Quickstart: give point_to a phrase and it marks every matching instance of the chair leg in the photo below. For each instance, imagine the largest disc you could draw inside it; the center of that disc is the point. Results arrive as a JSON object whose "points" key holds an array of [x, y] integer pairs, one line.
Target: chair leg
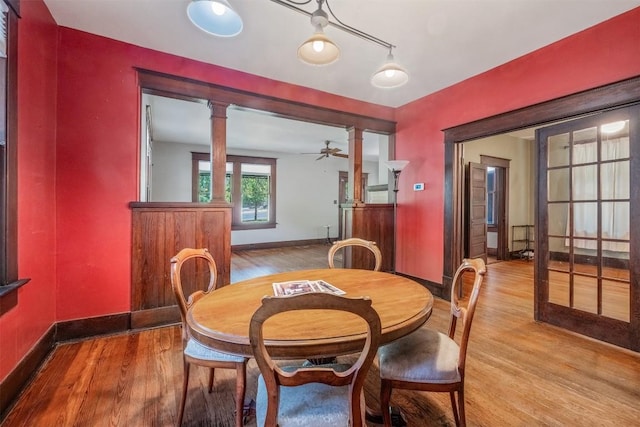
{"points": [[463, 421], [241, 383], [385, 401], [454, 406], [185, 387], [211, 375]]}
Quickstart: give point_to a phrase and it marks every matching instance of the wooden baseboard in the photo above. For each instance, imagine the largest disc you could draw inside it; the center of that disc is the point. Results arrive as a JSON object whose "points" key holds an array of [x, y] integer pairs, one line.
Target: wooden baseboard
{"points": [[92, 326], [270, 245], [20, 376], [435, 288], [153, 317], [24, 371]]}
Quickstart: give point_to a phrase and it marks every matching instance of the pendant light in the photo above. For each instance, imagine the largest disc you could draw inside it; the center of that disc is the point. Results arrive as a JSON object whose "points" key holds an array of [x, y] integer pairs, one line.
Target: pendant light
{"points": [[215, 17], [319, 49], [390, 74]]}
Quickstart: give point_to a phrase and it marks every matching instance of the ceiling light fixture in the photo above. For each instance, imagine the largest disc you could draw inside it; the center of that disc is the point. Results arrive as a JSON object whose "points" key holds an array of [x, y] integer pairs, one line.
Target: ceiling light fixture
{"points": [[320, 50], [613, 127], [390, 75], [215, 17]]}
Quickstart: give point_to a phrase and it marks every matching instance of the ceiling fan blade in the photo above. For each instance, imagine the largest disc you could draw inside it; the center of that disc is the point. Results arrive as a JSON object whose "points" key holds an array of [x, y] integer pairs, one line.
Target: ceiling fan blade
{"points": [[322, 157], [344, 156]]}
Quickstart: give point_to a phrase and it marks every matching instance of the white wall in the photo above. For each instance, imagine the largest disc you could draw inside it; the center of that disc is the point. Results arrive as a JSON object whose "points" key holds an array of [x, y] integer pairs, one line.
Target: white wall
{"points": [[521, 173], [171, 172], [306, 190]]}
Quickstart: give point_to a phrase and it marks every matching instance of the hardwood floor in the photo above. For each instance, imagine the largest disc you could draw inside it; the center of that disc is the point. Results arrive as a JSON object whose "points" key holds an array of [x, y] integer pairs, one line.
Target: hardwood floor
{"points": [[519, 372]]}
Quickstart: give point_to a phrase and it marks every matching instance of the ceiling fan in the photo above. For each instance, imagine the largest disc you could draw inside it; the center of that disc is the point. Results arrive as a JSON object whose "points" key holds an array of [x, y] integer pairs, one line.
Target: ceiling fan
{"points": [[327, 151]]}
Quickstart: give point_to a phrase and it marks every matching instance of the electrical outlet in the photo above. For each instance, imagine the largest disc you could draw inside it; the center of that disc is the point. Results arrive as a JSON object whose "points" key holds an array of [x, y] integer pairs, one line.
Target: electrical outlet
{"points": [[418, 186]]}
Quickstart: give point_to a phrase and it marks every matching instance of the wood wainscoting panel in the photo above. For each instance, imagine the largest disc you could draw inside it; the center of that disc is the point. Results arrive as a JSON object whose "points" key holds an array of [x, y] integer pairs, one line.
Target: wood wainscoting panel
{"points": [[161, 230], [372, 222]]}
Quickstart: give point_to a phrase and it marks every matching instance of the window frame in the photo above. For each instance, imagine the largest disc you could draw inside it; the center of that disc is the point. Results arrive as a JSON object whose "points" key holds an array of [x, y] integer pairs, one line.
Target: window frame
{"points": [[9, 280], [236, 187], [491, 196]]}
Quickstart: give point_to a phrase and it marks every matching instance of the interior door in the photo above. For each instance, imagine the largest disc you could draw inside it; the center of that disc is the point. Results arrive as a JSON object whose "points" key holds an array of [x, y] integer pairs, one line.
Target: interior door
{"points": [[477, 211], [587, 268]]}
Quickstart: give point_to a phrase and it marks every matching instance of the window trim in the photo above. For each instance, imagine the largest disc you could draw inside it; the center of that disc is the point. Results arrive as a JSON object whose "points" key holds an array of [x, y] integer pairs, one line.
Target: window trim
{"points": [[9, 280], [236, 199]]}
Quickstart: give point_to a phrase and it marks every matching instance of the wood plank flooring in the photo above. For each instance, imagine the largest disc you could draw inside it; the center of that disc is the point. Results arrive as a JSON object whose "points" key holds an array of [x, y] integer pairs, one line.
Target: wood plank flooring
{"points": [[519, 372]]}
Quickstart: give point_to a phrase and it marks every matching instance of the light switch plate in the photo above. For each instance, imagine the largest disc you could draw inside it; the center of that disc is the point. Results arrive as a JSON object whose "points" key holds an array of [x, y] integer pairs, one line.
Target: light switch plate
{"points": [[418, 186]]}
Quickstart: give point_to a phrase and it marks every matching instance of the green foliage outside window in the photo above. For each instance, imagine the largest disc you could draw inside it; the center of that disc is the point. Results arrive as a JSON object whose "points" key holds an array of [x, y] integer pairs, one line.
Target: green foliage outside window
{"points": [[255, 194], [204, 188], [227, 188]]}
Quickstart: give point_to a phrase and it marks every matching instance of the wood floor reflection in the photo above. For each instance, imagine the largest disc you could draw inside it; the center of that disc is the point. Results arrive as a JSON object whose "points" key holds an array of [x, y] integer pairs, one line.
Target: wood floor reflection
{"points": [[519, 372]]}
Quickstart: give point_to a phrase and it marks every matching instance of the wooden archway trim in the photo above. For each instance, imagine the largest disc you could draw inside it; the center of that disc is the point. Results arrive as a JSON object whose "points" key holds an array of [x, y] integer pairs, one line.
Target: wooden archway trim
{"points": [[590, 101]]}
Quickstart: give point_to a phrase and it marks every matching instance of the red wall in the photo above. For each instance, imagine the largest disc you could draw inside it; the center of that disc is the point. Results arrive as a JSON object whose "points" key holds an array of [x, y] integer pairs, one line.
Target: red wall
{"points": [[79, 138], [23, 325], [79, 169], [603, 54], [97, 160]]}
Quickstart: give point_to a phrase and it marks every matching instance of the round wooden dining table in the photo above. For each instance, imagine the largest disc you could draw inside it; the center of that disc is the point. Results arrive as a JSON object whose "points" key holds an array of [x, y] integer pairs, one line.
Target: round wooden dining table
{"points": [[221, 319]]}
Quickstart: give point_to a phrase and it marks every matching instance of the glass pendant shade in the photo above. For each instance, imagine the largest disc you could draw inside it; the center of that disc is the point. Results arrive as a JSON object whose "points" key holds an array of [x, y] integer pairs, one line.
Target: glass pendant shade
{"points": [[215, 17], [318, 50], [390, 75]]}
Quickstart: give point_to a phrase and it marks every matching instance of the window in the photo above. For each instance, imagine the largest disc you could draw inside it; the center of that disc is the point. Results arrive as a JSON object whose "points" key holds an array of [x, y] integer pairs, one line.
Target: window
{"points": [[8, 146], [250, 187], [491, 195]]}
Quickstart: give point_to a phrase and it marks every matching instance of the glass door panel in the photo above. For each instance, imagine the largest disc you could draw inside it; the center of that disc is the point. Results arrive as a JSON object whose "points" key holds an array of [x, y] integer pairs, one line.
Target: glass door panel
{"points": [[586, 279]]}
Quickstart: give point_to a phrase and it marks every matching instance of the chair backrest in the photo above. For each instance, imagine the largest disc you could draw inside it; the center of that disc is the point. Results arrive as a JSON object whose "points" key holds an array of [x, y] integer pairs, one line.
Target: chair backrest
{"points": [[355, 241], [465, 314], [354, 377], [177, 263]]}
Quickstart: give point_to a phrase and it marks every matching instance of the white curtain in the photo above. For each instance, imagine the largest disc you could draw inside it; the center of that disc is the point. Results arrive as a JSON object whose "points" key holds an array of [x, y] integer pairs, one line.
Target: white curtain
{"points": [[614, 184]]}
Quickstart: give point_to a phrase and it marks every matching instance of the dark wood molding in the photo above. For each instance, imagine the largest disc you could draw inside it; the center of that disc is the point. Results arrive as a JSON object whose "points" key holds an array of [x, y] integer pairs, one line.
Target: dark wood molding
{"points": [[159, 316], [15, 5], [24, 371], [178, 205], [615, 331], [502, 206], [9, 155], [271, 245], [169, 85], [435, 288], [599, 99], [603, 98], [92, 326]]}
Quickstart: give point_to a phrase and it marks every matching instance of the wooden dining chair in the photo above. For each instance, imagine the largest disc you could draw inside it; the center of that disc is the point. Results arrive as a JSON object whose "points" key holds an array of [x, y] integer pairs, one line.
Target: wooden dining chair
{"points": [[429, 360], [312, 395], [355, 241], [195, 352]]}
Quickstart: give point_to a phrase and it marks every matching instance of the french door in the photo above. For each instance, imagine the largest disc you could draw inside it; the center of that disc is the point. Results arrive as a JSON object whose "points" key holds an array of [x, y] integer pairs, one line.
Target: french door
{"points": [[588, 222]]}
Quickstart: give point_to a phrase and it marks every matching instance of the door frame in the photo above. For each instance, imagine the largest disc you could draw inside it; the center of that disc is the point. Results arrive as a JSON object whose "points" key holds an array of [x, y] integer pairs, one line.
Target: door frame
{"points": [[502, 205], [585, 322], [590, 101]]}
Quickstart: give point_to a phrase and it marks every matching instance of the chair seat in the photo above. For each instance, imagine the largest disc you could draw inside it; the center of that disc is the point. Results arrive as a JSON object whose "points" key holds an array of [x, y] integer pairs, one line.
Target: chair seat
{"points": [[199, 351], [424, 356], [312, 404]]}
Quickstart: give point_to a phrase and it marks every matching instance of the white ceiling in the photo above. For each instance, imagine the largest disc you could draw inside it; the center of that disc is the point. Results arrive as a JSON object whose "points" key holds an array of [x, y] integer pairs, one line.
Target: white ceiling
{"points": [[439, 42]]}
